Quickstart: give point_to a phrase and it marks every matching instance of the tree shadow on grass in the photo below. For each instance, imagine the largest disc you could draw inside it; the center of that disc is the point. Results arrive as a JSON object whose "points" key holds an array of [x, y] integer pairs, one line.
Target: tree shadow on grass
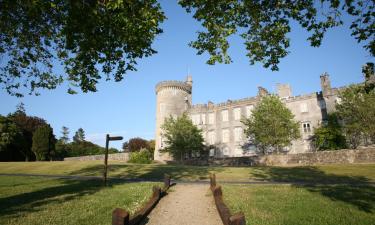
{"points": [[151, 171], [32, 201], [355, 190]]}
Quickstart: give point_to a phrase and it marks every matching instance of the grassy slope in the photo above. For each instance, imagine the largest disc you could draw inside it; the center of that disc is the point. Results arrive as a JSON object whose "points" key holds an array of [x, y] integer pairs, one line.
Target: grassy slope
{"points": [[30, 200], [348, 172], [318, 205]]}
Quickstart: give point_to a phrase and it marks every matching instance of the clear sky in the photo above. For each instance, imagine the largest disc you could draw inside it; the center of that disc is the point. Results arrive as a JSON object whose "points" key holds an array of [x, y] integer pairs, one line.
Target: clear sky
{"points": [[127, 108]]}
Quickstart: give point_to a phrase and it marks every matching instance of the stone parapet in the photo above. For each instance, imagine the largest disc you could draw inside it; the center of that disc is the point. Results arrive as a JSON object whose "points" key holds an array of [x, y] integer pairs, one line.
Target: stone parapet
{"points": [[173, 84]]}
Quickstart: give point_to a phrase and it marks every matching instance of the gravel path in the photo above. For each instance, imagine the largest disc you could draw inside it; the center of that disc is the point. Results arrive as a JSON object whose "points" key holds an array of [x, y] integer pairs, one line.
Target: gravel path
{"points": [[185, 204]]}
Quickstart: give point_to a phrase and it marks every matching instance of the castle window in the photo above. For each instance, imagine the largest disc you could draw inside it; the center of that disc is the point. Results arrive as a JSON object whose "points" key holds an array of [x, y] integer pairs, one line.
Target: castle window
{"points": [[237, 113], [303, 107], [224, 115], [211, 137], [225, 136], [238, 134], [162, 109], [203, 119], [338, 100], [211, 118], [249, 110], [306, 127], [226, 151], [161, 142], [196, 119]]}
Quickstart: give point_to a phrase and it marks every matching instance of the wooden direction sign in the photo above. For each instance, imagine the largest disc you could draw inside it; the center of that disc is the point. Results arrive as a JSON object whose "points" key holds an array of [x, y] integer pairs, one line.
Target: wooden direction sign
{"points": [[107, 139]]}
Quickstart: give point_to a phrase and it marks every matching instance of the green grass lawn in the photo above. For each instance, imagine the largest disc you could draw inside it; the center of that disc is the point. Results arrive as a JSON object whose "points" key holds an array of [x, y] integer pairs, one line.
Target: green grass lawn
{"points": [[293, 204], [31, 200], [321, 173]]}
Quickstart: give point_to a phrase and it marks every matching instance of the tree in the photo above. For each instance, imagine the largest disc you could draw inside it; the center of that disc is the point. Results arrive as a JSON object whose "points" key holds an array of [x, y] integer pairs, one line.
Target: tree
{"points": [[28, 125], [151, 145], [79, 136], [265, 25], [86, 38], [271, 126], [96, 39], [136, 144], [65, 135], [12, 141], [43, 143], [9, 132], [125, 146], [181, 136], [357, 111], [329, 135]]}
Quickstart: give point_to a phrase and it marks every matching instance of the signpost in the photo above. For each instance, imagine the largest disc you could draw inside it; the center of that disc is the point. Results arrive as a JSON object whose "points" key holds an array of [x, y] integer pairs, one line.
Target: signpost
{"points": [[107, 139]]}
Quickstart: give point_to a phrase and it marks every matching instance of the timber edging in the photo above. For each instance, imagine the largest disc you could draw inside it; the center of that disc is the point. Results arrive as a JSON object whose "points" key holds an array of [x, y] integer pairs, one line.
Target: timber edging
{"points": [[226, 217], [122, 217]]}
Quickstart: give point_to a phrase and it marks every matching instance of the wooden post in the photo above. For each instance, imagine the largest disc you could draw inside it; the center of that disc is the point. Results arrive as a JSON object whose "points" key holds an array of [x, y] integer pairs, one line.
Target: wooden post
{"points": [[120, 217], [106, 159], [107, 139], [237, 219], [167, 181], [212, 181]]}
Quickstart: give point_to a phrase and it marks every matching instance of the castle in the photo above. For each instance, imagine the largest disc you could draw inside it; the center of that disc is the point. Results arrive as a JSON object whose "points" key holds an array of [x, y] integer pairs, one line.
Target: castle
{"points": [[221, 123]]}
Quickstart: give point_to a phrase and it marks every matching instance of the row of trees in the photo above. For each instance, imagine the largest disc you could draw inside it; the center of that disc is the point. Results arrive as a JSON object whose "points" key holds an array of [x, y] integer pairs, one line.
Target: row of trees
{"points": [[272, 127], [24, 137], [29, 138]]}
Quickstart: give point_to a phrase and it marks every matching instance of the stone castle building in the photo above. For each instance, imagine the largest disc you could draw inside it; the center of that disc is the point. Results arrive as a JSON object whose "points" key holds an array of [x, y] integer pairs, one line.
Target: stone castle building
{"points": [[221, 123]]}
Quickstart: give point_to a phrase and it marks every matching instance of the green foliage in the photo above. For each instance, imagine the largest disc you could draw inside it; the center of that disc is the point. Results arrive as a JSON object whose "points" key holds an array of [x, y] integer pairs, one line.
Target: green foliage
{"points": [[43, 143], [79, 136], [265, 25], [65, 135], [144, 156], [330, 135], [136, 144], [271, 126], [357, 111], [87, 39], [151, 145], [10, 133], [181, 137], [28, 125]]}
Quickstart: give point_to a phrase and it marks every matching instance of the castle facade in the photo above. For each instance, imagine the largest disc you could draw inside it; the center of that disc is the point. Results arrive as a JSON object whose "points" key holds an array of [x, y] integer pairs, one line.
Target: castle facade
{"points": [[221, 123]]}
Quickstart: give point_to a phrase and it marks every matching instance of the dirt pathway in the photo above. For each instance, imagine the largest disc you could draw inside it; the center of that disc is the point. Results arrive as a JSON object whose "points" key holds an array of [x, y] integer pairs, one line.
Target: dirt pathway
{"points": [[185, 204]]}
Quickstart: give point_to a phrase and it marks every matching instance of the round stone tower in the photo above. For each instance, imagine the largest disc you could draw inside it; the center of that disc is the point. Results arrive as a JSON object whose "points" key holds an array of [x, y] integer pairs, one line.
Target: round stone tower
{"points": [[173, 98]]}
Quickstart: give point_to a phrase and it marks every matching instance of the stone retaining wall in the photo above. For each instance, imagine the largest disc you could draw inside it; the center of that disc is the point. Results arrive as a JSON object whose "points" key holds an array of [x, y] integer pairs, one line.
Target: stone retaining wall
{"points": [[115, 157], [321, 157], [312, 158]]}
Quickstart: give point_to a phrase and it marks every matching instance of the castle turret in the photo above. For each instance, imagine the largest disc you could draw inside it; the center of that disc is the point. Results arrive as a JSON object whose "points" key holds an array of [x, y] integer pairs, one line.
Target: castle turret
{"points": [[173, 98]]}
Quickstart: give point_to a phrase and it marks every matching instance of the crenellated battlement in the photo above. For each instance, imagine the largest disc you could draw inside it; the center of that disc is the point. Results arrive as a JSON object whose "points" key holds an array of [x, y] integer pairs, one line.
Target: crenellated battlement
{"points": [[173, 84]]}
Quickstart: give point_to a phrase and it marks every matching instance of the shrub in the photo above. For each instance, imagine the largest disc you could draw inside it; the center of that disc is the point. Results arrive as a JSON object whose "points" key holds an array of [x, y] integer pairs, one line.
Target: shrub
{"points": [[144, 156]]}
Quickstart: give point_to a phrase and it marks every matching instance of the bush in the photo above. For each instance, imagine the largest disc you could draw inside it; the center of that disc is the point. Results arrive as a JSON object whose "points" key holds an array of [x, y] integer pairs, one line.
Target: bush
{"points": [[144, 156]]}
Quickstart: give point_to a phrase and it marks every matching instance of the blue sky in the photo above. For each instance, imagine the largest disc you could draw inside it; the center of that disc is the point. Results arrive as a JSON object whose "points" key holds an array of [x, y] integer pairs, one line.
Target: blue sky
{"points": [[127, 108]]}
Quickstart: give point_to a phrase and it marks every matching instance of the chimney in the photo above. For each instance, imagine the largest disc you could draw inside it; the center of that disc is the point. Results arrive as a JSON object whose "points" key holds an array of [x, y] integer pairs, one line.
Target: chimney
{"points": [[325, 84], [284, 91]]}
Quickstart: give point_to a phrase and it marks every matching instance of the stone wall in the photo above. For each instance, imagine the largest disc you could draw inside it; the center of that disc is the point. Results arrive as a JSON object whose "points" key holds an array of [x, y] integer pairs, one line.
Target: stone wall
{"points": [[322, 157], [312, 158], [115, 157]]}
